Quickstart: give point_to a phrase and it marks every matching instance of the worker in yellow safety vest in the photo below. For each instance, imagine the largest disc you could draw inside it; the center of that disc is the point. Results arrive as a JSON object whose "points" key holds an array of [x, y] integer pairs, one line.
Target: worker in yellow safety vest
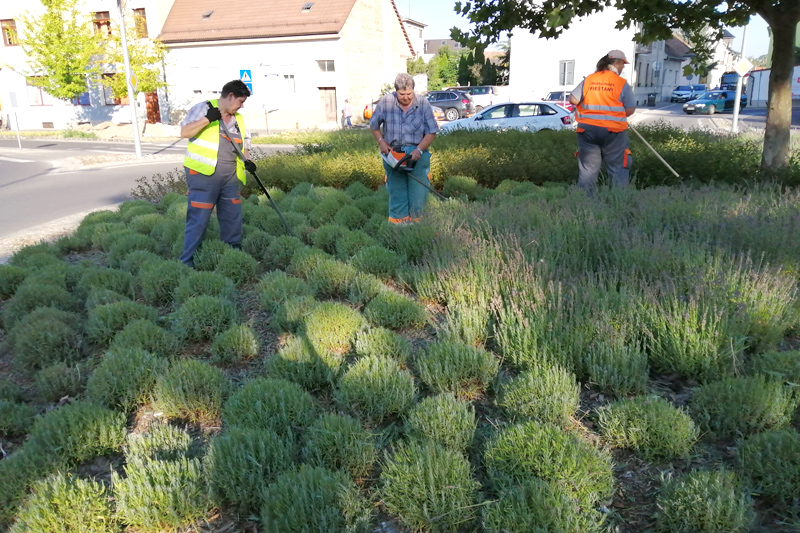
{"points": [[214, 173], [604, 102]]}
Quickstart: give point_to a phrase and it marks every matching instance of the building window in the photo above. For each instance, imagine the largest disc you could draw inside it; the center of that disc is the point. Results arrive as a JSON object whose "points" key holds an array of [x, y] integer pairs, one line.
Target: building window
{"points": [[36, 95], [566, 72], [326, 65], [140, 19], [102, 23], [289, 83], [9, 32], [420, 34], [81, 99]]}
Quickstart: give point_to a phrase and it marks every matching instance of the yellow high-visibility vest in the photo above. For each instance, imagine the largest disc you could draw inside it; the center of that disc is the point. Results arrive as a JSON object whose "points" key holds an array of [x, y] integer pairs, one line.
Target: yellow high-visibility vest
{"points": [[201, 153]]}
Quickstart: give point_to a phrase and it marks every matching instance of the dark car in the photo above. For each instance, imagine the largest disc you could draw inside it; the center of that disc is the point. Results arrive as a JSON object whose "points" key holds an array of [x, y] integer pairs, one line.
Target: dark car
{"points": [[713, 102], [455, 104], [561, 98]]}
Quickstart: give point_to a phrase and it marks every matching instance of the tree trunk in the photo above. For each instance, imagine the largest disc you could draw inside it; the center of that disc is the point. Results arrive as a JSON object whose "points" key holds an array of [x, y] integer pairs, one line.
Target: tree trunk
{"points": [[776, 152]]}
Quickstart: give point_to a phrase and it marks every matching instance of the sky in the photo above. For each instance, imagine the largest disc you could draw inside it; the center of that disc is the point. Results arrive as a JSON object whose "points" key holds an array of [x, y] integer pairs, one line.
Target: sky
{"points": [[440, 17]]}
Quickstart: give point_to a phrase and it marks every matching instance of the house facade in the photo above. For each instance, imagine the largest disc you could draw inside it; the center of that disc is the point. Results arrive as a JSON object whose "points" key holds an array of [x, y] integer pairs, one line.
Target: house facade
{"points": [[301, 59], [30, 107], [414, 31]]}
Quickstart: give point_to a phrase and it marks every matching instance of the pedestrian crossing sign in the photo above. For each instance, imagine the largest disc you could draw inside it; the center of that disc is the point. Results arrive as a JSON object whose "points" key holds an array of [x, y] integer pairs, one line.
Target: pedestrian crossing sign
{"points": [[247, 77]]}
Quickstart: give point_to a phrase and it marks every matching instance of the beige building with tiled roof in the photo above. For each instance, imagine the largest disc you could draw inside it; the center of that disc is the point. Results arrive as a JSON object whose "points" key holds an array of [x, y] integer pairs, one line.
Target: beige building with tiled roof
{"points": [[302, 58]]}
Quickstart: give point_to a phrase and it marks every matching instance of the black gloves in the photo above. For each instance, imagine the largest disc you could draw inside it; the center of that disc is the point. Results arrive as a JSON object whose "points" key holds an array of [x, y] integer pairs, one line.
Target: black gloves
{"points": [[250, 166], [213, 113]]}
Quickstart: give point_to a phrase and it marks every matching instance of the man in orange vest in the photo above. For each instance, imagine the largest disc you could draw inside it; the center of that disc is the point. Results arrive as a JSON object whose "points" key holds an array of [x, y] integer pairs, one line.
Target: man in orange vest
{"points": [[604, 102]]}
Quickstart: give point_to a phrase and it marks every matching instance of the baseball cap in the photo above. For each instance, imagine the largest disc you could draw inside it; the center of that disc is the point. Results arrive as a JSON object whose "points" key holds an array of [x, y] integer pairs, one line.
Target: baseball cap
{"points": [[618, 54]]}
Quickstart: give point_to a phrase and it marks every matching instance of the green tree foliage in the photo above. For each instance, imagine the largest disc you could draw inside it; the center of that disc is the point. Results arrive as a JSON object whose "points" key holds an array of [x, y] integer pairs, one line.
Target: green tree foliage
{"points": [[702, 20], [61, 48], [443, 69], [145, 56]]}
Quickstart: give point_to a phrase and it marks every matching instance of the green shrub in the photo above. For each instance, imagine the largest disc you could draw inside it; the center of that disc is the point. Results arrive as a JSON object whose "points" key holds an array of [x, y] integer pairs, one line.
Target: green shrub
{"points": [[377, 260], [340, 442], [302, 362], [162, 495], [238, 266], [444, 420], [358, 190], [280, 252], [134, 261], [44, 337], [536, 506], [455, 367], [59, 380], [134, 208], [330, 278], [429, 487], [158, 280], [11, 277], [617, 367], [313, 499], [242, 462], [333, 326], [29, 297], [411, 241], [742, 406], [128, 243], [144, 224], [167, 232], [649, 425], [291, 314], [305, 260], [207, 257], [54, 274], [76, 432], [103, 296], [204, 317], [274, 404], [276, 287], [145, 335], [235, 344], [177, 210], [535, 450], [161, 442], [771, 462], [364, 288], [704, 502], [324, 211], [105, 321], [382, 342], [18, 471], [125, 379], [203, 284], [64, 504], [395, 311], [15, 418], [546, 393], [352, 242], [9, 390], [350, 217], [192, 390], [462, 186], [301, 204], [29, 255], [376, 388], [326, 236], [257, 244], [784, 366]]}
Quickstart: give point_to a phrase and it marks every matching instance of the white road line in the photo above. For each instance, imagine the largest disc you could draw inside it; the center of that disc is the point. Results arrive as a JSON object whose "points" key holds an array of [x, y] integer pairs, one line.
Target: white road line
{"points": [[12, 160]]}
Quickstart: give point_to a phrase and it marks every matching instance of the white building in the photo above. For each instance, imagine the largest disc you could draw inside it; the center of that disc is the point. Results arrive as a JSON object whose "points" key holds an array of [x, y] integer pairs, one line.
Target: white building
{"points": [[303, 59], [757, 84], [414, 31], [33, 107]]}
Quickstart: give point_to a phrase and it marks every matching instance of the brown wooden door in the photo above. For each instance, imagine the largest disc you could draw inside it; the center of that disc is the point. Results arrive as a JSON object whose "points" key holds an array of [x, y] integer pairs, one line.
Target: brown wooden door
{"points": [[153, 110], [327, 97]]}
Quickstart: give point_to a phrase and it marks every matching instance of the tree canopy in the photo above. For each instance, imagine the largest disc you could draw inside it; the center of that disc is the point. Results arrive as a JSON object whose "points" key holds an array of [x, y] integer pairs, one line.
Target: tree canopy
{"points": [[702, 20]]}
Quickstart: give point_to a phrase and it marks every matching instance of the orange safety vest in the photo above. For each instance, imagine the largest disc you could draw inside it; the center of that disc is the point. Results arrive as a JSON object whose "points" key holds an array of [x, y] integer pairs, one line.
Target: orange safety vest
{"points": [[601, 105]]}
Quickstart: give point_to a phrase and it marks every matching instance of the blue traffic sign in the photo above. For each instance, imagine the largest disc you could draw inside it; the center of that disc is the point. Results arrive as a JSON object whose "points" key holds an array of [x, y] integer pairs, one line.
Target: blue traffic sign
{"points": [[247, 77]]}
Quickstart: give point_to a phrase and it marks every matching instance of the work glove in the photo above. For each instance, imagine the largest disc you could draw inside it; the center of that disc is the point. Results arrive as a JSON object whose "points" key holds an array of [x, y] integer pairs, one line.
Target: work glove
{"points": [[213, 113], [250, 166]]}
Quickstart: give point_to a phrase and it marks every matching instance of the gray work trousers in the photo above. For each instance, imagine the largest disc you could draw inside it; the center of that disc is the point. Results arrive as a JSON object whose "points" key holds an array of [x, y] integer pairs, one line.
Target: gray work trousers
{"points": [[221, 189], [596, 146]]}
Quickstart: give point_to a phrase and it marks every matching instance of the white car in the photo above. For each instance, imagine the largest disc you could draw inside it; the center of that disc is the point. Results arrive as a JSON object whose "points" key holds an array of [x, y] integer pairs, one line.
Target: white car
{"points": [[523, 116]]}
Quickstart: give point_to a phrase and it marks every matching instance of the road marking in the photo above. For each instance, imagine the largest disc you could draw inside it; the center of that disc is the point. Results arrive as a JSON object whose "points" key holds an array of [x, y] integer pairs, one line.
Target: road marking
{"points": [[12, 160]]}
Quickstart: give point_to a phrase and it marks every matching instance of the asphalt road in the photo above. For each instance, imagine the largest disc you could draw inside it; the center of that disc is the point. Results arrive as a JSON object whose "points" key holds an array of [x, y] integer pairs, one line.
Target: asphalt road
{"points": [[749, 118], [35, 188]]}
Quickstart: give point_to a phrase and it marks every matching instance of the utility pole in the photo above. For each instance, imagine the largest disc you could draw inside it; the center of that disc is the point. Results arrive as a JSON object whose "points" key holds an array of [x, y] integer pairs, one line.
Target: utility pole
{"points": [[740, 81], [128, 75]]}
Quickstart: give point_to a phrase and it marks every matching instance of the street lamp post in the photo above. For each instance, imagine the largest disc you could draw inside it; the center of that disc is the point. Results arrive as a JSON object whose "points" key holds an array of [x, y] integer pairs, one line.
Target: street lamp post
{"points": [[739, 82], [128, 82]]}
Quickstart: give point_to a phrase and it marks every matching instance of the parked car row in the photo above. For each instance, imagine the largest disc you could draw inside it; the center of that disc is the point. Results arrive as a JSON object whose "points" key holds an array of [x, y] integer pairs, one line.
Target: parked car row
{"points": [[455, 104]]}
